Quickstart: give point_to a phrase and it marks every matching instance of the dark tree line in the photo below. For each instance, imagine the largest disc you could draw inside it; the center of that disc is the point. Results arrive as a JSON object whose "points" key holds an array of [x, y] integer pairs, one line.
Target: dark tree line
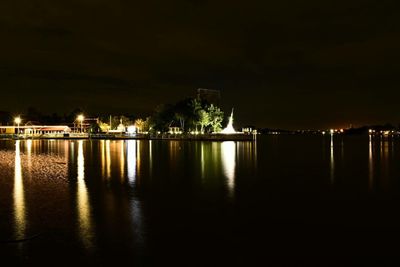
{"points": [[190, 114]]}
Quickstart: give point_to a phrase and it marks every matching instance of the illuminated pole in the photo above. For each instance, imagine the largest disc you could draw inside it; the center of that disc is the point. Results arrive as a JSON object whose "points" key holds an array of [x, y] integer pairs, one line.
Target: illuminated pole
{"points": [[17, 120], [110, 123], [81, 118]]}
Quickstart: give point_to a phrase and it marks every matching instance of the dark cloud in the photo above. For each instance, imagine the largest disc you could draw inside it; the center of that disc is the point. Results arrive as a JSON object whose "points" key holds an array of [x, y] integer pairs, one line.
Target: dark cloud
{"points": [[293, 64]]}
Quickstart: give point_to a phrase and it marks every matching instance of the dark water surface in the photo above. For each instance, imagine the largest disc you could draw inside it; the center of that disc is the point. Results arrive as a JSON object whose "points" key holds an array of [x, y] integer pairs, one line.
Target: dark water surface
{"points": [[284, 200]]}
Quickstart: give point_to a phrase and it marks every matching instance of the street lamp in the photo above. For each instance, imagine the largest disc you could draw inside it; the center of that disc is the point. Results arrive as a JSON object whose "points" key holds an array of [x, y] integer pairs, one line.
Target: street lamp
{"points": [[81, 118], [17, 121]]}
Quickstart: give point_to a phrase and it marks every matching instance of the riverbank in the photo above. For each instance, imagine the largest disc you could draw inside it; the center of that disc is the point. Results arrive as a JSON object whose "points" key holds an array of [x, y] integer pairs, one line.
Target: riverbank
{"points": [[166, 136]]}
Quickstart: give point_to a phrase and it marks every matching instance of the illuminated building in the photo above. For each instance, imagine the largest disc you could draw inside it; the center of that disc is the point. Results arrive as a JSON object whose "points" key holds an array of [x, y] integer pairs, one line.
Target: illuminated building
{"points": [[36, 130]]}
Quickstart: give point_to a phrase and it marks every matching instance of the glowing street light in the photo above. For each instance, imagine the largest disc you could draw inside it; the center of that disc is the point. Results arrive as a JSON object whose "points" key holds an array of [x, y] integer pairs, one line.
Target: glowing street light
{"points": [[17, 121], [81, 118]]}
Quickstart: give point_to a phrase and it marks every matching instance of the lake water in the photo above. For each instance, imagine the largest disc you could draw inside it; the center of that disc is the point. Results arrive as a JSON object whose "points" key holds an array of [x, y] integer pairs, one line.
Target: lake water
{"points": [[283, 200]]}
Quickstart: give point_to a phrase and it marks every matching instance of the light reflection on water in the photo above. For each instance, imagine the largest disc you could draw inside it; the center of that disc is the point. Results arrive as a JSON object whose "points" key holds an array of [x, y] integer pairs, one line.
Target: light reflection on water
{"points": [[123, 161], [228, 153], [370, 164], [83, 203], [108, 159], [222, 160], [19, 195], [102, 157], [332, 161], [131, 150], [123, 194]]}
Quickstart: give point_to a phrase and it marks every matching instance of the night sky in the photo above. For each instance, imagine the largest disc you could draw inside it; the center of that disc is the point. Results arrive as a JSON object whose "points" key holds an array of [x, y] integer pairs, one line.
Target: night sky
{"points": [[289, 64]]}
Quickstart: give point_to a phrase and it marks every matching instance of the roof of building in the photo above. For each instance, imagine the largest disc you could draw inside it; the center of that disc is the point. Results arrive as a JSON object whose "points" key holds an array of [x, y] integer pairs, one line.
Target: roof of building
{"points": [[40, 127], [55, 128]]}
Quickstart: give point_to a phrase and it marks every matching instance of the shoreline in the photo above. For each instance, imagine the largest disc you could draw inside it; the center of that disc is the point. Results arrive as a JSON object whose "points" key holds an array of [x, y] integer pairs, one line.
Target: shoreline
{"points": [[173, 137]]}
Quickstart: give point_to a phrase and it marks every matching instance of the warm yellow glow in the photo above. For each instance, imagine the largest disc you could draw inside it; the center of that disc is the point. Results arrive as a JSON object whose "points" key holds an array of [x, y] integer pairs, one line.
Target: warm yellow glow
{"points": [[103, 158], [122, 159], [370, 164], [85, 226], [228, 151], [17, 120], [332, 162], [151, 157], [29, 154], [385, 154], [131, 147], [29, 147], [80, 118], [19, 196], [108, 158]]}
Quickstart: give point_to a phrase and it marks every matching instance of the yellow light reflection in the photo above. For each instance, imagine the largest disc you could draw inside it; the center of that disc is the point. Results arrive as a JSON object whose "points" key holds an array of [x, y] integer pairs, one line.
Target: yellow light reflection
{"points": [[19, 196], [103, 158], [151, 158], [29, 147], [29, 155], [370, 164], [85, 225], [385, 157], [138, 162], [131, 147], [229, 163], [203, 164], [108, 158], [332, 161], [122, 160]]}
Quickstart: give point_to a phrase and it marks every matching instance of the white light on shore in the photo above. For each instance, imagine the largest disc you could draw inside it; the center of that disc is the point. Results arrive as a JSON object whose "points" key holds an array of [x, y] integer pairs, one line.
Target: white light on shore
{"points": [[229, 128], [132, 129]]}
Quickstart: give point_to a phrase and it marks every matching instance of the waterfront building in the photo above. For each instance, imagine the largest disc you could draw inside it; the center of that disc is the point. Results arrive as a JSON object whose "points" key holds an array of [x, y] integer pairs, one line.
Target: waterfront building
{"points": [[36, 130]]}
